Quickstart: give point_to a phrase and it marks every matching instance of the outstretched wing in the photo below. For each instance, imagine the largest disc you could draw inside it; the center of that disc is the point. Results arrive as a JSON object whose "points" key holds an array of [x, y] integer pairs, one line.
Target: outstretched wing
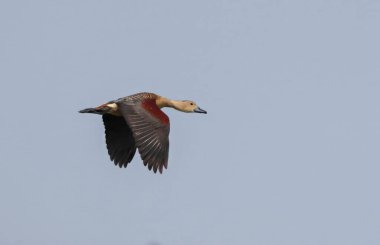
{"points": [[119, 138], [150, 127]]}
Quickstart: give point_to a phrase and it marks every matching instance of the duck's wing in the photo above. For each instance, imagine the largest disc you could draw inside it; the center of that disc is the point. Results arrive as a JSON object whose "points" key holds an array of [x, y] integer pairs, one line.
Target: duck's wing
{"points": [[150, 127], [119, 138]]}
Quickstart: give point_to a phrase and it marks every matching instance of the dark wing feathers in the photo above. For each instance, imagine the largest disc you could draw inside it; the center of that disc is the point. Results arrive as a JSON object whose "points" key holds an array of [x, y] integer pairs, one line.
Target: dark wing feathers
{"points": [[151, 134], [119, 138]]}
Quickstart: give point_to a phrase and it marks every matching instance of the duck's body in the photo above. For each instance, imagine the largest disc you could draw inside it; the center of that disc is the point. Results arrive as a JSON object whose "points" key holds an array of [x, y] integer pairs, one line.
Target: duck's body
{"points": [[137, 121]]}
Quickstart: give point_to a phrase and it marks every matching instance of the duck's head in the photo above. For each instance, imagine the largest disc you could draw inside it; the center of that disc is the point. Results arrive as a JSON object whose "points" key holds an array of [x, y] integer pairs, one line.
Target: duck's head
{"points": [[190, 106]]}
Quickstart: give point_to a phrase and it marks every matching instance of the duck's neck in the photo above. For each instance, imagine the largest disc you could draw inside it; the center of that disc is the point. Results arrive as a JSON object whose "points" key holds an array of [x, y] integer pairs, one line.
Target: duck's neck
{"points": [[165, 102]]}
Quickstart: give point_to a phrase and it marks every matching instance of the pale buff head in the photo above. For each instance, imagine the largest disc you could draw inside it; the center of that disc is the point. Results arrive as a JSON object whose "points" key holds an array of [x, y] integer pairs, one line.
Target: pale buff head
{"points": [[187, 106]]}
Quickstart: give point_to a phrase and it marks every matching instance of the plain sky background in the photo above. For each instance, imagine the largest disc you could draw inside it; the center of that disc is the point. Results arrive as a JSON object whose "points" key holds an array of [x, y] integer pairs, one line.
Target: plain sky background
{"points": [[288, 154]]}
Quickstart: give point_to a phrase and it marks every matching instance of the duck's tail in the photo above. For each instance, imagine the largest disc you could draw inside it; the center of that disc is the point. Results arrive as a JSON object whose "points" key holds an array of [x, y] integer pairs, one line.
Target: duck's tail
{"points": [[92, 110], [110, 107]]}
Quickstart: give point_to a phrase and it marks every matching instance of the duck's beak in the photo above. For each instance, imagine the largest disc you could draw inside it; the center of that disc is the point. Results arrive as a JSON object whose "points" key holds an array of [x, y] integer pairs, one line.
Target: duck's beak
{"points": [[199, 110]]}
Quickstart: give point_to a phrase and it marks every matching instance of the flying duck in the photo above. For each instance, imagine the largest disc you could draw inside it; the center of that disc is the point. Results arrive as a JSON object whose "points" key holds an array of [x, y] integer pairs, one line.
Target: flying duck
{"points": [[137, 121]]}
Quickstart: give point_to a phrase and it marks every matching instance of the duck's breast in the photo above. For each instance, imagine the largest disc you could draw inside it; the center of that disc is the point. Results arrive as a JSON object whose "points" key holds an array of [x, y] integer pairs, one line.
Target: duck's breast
{"points": [[150, 106]]}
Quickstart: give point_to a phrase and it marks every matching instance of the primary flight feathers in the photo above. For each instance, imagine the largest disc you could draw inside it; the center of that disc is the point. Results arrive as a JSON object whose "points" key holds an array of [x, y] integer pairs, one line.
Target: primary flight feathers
{"points": [[137, 121]]}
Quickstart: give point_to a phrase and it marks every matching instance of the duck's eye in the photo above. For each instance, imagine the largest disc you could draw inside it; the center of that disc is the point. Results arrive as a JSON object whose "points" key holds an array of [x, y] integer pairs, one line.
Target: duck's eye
{"points": [[191, 103]]}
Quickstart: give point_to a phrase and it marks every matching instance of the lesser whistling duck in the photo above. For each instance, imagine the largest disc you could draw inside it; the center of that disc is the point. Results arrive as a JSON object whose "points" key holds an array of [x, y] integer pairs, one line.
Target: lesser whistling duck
{"points": [[137, 121]]}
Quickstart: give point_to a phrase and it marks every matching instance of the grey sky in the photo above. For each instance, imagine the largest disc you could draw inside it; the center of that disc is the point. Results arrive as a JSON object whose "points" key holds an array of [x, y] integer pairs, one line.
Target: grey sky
{"points": [[288, 154]]}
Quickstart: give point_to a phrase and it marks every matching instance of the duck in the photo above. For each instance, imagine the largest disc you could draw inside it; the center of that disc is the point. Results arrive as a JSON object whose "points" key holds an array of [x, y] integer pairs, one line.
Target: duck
{"points": [[136, 122]]}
